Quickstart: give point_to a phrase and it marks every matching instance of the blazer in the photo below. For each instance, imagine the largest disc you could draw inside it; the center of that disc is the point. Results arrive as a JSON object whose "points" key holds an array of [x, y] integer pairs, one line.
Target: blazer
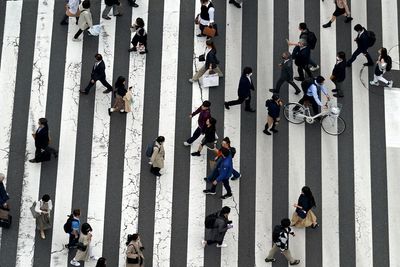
{"points": [[42, 138], [99, 72], [339, 71], [287, 70], [211, 59], [301, 55], [245, 85], [362, 41]]}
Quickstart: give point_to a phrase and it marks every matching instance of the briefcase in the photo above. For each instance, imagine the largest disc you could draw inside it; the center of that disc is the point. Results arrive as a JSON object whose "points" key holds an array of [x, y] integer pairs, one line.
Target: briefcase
{"points": [[5, 218], [210, 31]]}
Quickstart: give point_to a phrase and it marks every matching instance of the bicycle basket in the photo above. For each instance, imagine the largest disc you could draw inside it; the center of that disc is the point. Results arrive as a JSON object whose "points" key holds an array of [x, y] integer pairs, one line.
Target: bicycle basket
{"points": [[334, 109]]}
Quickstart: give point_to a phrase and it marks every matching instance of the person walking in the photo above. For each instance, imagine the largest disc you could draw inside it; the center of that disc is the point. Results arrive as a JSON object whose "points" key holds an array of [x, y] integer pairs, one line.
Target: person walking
{"points": [[134, 254], [206, 16], [158, 156], [204, 114], [140, 37], [3, 193], [286, 74], [339, 74], [383, 64], [220, 224], [210, 136], [42, 139], [211, 63], [363, 43], [98, 74], [101, 262], [303, 216], [235, 3], [341, 9], [274, 108], [72, 227], [71, 10], [43, 209], [119, 103], [280, 237], [313, 90], [224, 168], [115, 5], [83, 252], [301, 56], [244, 94], [85, 19]]}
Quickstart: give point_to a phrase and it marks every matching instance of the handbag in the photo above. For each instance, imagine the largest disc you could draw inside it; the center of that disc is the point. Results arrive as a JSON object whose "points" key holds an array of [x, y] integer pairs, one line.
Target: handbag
{"points": [[209, 80], [202, 58], [302, 214], [209, 31], [81, 246], [33, 211], [136, 260]]}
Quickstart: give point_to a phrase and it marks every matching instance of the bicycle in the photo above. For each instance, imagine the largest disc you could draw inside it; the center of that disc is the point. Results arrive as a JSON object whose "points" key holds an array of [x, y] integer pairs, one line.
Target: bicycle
{"points": [[331, 122]]}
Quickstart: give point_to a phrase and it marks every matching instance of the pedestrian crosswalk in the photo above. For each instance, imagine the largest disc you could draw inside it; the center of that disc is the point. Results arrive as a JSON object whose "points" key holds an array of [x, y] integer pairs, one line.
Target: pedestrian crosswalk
{"points": [[102, 169]]}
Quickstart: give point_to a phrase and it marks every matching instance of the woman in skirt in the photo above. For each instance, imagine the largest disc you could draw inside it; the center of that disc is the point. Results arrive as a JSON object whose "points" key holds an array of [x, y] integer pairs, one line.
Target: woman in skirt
{"points": [[43, 208], [119, 103], [303, 215]]}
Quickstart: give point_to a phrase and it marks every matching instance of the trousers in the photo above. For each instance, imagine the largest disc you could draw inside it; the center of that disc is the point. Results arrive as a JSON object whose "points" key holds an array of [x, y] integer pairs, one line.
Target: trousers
{"points": [[103, 82], [281, 81], [239, 101], [285, 253], [358, 52]]}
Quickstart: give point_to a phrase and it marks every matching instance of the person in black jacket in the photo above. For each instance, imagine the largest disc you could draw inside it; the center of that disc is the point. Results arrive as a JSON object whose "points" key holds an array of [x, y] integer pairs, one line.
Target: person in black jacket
{"points": [[98, 74], [286, 74], [42, 140], [362, 41], [211, 62], [301, 56], [210, 136], [244, 94], [274, 108], [140, 36], [339, 74], [114, 4], [3, 193]]}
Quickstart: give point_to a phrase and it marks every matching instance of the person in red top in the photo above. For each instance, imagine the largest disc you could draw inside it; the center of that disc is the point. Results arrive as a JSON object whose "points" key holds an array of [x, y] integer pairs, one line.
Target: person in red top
{"points": [[204, 115]]}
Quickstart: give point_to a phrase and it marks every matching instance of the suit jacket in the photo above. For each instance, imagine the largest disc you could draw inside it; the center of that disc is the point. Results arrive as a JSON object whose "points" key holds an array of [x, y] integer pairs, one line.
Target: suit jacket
{"points": [[211, 59], [245, 86], [301, 55], [42, 138], [339, 71], [287, 70], [362, 41], [99, 72]]}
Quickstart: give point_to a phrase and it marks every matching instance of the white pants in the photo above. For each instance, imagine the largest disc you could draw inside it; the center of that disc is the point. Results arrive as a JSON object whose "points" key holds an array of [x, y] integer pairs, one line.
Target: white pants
{"points": [[380, 78]]}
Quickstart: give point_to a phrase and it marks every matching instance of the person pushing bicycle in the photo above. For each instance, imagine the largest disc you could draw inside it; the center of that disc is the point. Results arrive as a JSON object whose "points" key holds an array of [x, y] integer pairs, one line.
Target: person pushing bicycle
{"points": [[311, 87]]}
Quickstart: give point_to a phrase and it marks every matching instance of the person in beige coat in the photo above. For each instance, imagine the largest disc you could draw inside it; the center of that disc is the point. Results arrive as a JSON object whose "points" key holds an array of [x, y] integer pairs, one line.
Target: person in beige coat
{"points": [[82, 253], [158, 156], [85, 19], [134, 254]]}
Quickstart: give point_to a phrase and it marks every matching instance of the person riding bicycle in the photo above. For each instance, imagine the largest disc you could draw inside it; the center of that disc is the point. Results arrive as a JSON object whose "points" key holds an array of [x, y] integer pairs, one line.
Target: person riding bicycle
{"points": [[311, 93]]}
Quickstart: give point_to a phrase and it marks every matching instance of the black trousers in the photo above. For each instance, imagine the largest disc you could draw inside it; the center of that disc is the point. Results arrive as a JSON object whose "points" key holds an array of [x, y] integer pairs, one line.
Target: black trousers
{"points": [[195, 135], [239, 101], [155, 170], [139, 39], [103, 82], [226, 185], [281, 81], [311, 100], [301, 69], [210, 242], [355, 55], [79, 32]]}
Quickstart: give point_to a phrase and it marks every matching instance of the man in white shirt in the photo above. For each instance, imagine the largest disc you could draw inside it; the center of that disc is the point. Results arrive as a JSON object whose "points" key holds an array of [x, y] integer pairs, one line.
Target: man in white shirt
{"points": [[311, 94]]}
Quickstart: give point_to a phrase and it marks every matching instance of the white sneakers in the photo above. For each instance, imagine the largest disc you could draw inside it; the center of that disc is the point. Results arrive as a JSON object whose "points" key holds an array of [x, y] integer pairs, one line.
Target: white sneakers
{"points": [[203, 243], [223, 245], [186, 143], [314, 68], [75, 262], [374, 83], [389, 84]]}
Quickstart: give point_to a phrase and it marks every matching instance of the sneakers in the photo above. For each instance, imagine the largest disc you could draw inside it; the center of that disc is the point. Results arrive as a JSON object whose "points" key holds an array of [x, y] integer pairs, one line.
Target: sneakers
{"points": [[295, 262], [226, 196], [75, 262], [374, 83], [195, 154], [203, 243], [390, 84], [191, 80], [223, 245], [312, 68], [270, 260], [209, 192], [186, 143]]}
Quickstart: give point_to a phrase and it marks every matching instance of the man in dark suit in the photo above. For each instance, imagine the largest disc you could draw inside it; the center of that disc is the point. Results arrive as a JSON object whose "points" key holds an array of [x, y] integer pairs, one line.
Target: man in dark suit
{"points": [[339, 74], [244, 94], [286, 74], [42, 140], [362, 41], [98, 74], [301, 56]]}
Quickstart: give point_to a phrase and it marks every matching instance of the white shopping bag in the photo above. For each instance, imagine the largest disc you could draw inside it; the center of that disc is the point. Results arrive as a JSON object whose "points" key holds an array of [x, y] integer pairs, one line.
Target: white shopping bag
{"points": [[95, 30], [209, 80]]}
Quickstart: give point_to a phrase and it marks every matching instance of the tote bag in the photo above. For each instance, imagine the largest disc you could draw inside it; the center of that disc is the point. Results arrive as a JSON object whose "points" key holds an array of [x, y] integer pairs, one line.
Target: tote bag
{"points": [[209, 80]]}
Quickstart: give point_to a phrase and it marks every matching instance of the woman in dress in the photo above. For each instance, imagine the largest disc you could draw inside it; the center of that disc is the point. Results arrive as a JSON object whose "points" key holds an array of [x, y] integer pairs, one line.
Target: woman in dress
{"points": [[210, 136], [134, 254], [303, 215], [82, 253], [119, 103], [43, 208]]}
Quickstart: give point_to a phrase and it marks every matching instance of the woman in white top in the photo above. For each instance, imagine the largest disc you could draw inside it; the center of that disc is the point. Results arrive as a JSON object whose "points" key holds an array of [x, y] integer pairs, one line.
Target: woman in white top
{"points": [[85, 19], [381, 67], [43, 208], [206, 16]]}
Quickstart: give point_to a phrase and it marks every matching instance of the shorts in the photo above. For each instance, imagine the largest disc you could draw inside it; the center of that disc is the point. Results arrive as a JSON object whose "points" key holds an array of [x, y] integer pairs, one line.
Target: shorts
{"points": [[339, 11]]}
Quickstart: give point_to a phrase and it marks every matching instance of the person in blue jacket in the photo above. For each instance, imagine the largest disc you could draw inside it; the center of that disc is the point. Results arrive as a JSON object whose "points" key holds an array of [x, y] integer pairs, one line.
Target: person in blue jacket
{"points": [[225, 168], [244, 93]]}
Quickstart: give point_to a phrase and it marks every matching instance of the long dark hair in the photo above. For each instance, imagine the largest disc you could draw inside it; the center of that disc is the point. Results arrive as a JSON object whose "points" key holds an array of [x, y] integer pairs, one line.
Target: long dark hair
{"points": [[86, 228], [307, 192], [120, 82], [384, 54]]}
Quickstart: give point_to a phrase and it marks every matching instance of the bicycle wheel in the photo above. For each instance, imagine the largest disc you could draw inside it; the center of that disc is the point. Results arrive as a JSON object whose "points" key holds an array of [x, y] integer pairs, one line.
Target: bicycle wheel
{"points": [[333, 125], [294, 113]]}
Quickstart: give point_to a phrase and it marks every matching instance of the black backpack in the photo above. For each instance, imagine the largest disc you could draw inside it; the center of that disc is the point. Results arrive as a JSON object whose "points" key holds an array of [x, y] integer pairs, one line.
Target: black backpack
{"points": [[371, 38], [68, 224], [210, 220], [388, 63], [276, 233], [306, 84], [311, 40], [149, 149]]}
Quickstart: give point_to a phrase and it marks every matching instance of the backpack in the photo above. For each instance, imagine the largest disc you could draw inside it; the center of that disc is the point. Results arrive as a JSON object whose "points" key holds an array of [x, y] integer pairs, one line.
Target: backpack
{"points": [[68, 224], [149, 149], [210, 220], [388, 63], [306, 84], [311, 40], [371, 38], [276, 233]]}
